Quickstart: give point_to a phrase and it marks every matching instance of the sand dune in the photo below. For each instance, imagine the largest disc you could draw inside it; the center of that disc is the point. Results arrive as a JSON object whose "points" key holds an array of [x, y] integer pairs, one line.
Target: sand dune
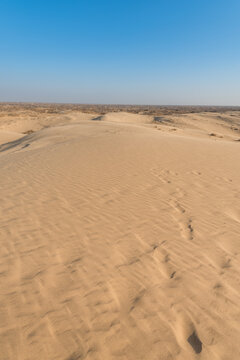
{"points": [[125, 117], [120, 237]]}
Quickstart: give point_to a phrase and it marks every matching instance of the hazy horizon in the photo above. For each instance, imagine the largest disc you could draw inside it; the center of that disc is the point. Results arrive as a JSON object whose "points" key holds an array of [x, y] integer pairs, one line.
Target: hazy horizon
{"points": [[117, 104]]}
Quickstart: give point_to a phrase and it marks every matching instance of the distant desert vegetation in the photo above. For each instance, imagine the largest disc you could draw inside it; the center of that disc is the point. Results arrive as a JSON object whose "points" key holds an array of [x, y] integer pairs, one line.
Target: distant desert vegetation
{"points": [[30, 117]]}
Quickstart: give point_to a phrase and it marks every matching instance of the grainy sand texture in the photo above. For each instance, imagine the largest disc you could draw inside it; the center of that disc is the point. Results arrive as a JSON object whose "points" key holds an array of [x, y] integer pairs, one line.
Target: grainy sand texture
{"points": [[119, 236]]}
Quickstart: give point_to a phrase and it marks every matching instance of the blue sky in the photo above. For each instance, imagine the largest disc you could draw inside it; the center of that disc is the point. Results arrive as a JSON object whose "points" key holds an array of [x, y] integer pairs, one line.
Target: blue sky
{"points": [[125, 52]]}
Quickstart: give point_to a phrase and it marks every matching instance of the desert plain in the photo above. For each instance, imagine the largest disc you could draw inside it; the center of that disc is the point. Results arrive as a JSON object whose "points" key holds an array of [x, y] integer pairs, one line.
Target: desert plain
{"points": [[119, 233]]}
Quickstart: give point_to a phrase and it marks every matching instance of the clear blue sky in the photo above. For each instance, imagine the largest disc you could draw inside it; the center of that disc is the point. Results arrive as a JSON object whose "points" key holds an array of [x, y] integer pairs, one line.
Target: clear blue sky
{"points": [[141, 52]]}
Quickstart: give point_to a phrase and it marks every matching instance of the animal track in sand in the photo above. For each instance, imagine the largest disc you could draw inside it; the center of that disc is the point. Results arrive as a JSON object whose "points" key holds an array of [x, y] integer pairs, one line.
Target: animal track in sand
{"points": [[186, 229], [178, 207], [186, 333], [173, 274], [226, 264], [195, 342], [190, 228], [165, 176], [131, 262], [137, 299], [75, 356], [78, 355], [196, 172], [164, 264]]}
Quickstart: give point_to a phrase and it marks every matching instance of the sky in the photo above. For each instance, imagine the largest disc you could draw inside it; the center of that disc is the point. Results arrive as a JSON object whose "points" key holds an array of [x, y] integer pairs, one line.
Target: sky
{"points": [[162, 52]]}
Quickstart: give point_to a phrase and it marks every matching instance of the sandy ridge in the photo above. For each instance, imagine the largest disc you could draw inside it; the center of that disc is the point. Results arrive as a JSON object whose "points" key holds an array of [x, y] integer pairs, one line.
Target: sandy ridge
{"points": [[120, 238]]}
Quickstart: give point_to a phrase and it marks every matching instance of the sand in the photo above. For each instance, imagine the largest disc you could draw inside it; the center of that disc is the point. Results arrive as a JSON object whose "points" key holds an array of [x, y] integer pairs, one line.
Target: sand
{"points": [[120, 237]]}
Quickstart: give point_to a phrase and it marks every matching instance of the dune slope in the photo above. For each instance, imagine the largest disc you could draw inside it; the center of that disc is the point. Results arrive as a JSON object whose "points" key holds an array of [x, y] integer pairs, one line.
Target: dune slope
{"points": [[119, 241]]}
